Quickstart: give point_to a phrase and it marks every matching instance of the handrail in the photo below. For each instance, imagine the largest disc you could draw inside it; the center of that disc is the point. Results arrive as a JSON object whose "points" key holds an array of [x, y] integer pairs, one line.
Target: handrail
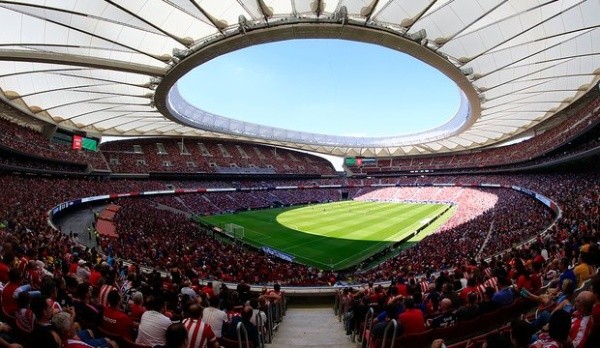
{"points": [[260, 327], [368, 323], [393, 323], [241, 328]]}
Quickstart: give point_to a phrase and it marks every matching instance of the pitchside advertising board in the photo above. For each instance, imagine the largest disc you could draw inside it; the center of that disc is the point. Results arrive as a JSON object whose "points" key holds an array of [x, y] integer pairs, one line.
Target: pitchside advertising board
{"points": [[360, 161]]}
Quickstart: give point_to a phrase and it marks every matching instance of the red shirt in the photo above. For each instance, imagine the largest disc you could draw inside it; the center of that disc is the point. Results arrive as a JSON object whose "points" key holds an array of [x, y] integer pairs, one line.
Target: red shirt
{"points": [[412, 320], [94, 277], [9, 302], [596, 316], [137, 311], [117, 322], [4, 272]]}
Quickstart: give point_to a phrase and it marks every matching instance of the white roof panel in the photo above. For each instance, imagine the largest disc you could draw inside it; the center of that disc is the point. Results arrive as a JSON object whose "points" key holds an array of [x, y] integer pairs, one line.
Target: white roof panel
{"points": [[94, 65]]}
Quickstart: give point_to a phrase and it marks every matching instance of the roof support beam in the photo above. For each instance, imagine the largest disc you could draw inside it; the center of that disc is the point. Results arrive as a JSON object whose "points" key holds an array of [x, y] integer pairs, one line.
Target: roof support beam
{"points": [[75, 60]]}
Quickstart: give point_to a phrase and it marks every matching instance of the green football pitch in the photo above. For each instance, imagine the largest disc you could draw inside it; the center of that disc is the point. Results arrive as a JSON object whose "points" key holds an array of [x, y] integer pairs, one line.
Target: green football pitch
{"points": [[332, 235]]}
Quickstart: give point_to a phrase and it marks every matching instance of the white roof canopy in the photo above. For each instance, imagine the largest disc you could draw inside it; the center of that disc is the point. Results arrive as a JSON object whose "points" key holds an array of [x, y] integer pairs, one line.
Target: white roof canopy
{"points": [[95, 65]]}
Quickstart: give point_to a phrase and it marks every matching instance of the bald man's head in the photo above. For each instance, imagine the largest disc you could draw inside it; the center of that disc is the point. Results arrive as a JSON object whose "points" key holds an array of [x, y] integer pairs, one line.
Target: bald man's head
{"points": [[584, 302]]}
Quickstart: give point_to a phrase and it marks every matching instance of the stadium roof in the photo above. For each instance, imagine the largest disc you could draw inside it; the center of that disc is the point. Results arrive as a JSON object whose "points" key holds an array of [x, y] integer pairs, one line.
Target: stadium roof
{"points": [[110, 67]]}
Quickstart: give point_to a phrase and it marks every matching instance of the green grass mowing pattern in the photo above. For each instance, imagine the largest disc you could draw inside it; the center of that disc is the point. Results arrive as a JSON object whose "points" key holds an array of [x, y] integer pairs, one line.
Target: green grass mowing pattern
{"points": [[337, 235]]}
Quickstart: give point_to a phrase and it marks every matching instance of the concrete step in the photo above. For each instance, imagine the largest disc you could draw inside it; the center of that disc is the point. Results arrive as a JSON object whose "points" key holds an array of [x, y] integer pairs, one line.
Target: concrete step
{"points": [[311, 327]]}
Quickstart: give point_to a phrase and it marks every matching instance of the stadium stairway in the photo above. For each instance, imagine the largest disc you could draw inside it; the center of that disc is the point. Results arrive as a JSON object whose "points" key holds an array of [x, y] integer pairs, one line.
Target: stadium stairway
{"points": [[310, 327]]}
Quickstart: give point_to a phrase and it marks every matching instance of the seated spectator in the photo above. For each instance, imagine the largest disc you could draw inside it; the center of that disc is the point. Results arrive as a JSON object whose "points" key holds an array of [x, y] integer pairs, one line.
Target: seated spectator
{"points": [[88, 315], [176, 336], [446, 317], [583, 271], [558, 332], [114, 320], [43, 333], [520, 333], [10, 292], [469, 310], [382, 321], [65, 327], [251, 329], [504, 296], [581, 322], [214, 317], [566, 272], [137, 307], [200, 334], [24, 318], [153, 324]]}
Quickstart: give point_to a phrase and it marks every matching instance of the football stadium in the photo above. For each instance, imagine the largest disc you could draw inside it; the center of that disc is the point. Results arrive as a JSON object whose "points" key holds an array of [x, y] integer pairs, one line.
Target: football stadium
{"points": [[168, 180]]}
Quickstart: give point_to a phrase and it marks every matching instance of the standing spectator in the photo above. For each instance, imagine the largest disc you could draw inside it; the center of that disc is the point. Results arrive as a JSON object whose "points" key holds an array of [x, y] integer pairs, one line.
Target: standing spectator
{"points": [[412, 318]]}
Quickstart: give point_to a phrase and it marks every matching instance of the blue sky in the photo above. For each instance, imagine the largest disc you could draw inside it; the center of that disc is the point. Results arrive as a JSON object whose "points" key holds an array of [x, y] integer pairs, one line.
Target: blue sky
{"points": [[324, 86]]}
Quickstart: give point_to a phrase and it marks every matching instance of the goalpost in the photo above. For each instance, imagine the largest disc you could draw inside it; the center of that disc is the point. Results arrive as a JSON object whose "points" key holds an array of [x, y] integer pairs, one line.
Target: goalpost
{"points": [[234, 231]]}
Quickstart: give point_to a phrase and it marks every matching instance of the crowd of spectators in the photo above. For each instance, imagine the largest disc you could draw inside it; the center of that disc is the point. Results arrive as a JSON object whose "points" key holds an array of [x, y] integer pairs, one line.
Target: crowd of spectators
{"points": [[581, 119], [33, 143], [197, 254], [209, 156]]}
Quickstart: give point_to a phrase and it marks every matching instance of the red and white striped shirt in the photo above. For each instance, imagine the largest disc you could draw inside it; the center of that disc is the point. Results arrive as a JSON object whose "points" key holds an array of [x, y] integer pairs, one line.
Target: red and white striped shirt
{"points": [[581, 327], [198, 333], [103, 295]]}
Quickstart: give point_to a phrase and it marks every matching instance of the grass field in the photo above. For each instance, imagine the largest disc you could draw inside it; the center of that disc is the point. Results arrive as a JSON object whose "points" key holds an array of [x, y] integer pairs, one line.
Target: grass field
{"points": [[332, 235]]}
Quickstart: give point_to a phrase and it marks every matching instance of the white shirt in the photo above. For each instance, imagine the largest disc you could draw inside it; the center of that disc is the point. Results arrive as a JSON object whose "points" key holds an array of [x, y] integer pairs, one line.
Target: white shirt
{"points": [[153, 326], [215, 318]]}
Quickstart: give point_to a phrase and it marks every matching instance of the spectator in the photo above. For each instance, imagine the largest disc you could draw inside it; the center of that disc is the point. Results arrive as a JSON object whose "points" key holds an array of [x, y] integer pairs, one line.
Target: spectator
{"points": [[154, 323], [43, 334], [200, 334], [446, 317], [244, 319], [214, 317], [469, 310], [115, 320], [137, 307], [412, 319], [581, 324], [88, 315], [176, 336], [558, 332], [504, 296]]}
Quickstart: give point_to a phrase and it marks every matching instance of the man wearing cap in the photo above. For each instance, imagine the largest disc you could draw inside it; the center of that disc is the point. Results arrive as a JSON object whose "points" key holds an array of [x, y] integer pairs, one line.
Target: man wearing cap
{"points": [[83, 271]]}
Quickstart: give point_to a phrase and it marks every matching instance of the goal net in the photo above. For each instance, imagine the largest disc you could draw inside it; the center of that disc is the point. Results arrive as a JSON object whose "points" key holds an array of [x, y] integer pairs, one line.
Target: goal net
{"points": [[234, 231]]}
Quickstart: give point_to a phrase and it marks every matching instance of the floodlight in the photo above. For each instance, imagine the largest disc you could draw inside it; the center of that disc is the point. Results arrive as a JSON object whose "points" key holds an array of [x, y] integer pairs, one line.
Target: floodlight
{"points": [[179, 53], [467, 71], [418, 36], [243, 22], [342, 15]]}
